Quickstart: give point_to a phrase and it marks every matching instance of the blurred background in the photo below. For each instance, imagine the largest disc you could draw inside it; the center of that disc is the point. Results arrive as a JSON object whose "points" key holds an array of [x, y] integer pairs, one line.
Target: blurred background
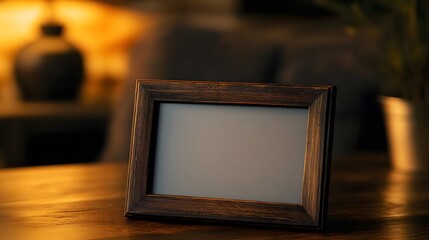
{"points": [[51, 117]]}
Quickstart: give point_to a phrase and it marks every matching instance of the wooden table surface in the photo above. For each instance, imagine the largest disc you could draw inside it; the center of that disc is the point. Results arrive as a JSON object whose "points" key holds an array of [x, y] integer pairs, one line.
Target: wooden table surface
{"points": [[86, 201]]}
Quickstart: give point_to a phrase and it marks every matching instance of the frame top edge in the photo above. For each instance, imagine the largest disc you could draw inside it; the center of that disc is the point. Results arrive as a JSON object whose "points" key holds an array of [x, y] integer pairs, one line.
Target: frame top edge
{"points": [[155, 82]]}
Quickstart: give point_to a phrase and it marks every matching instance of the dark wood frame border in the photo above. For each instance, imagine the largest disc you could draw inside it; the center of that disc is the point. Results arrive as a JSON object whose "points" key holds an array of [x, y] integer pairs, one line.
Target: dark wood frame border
{"points": [[311, 214]]}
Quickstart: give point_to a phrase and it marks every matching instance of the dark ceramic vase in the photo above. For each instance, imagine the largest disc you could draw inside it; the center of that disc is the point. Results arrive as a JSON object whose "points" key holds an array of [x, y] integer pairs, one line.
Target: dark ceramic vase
{"points": [[49, 68]]}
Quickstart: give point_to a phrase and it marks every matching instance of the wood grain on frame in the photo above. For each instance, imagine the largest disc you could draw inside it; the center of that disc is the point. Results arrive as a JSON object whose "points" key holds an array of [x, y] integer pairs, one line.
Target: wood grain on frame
{"points": [[319, 100]]}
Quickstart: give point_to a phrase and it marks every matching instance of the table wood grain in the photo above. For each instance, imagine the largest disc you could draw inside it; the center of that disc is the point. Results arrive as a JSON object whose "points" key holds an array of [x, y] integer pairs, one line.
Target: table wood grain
{"points": [[86, 201]]}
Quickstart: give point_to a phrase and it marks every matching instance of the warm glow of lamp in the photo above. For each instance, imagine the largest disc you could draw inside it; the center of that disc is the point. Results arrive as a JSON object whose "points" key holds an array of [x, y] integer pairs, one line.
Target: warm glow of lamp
{"points": [[102, 32], [18, 23], [101, 26]]}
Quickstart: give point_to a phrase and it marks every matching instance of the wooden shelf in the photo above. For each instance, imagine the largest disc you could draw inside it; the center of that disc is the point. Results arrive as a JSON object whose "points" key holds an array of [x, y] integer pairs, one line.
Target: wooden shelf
{"points": [[42, 131]]}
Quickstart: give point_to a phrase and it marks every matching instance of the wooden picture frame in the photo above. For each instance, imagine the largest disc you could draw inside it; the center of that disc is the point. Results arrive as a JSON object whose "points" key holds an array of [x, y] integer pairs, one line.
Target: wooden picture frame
{"points": [[310, 213]]}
